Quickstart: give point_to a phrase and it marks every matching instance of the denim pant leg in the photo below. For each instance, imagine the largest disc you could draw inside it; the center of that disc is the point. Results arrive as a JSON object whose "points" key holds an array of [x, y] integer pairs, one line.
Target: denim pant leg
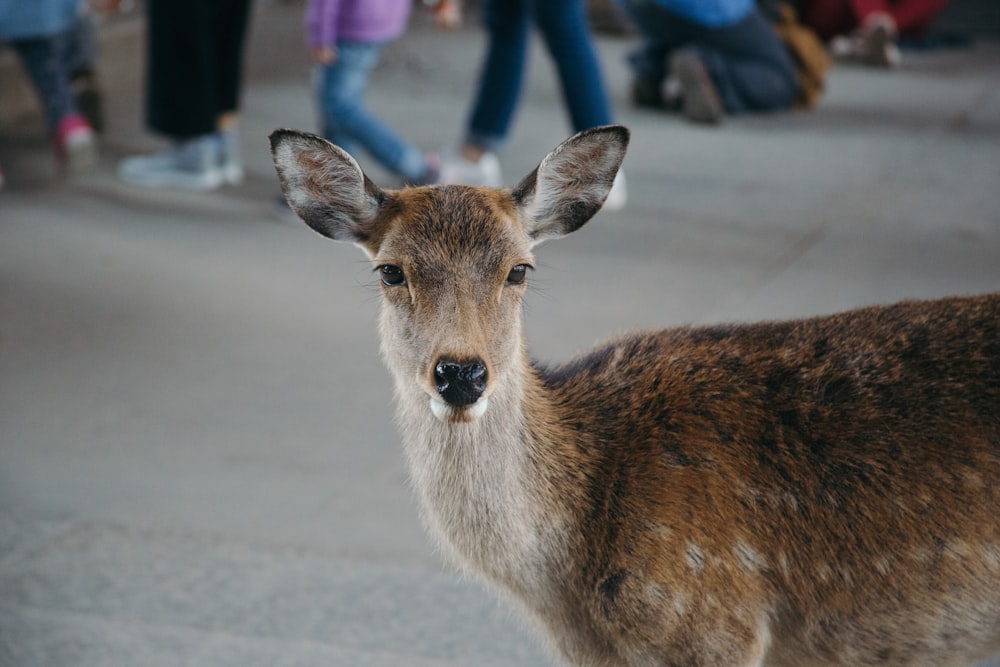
{"points": [[45, 63], [81, 46], [662, 32], [502, 74], [347, 123], [750, 66], [564, 26]]}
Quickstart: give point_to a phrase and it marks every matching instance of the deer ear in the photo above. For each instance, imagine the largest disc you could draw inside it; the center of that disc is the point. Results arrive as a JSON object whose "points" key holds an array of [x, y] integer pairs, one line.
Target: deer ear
{"points": [[325, 186], [571, 183]]}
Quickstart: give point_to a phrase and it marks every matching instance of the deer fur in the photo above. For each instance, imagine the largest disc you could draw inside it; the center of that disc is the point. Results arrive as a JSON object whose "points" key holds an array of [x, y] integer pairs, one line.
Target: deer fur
{"points": [[819, 492]]}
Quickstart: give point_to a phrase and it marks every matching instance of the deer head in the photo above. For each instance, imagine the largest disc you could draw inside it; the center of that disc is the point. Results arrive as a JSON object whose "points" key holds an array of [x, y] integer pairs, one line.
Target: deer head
{"points": [[453, 261]]}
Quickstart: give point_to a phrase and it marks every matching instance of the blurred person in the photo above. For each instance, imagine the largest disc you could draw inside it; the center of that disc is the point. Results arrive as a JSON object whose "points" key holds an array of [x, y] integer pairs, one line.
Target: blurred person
{"points": [[867, 31], [709, 58], [345, 39], [193, 87], [53, 41], [564, 28]]}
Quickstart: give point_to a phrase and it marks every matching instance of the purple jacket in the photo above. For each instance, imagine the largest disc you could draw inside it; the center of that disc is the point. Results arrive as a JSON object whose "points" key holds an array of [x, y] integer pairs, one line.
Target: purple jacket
{"points": [[328, 21]]}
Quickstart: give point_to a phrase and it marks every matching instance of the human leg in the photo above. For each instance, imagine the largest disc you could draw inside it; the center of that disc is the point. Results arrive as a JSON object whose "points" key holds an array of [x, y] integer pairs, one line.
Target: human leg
{"points": [[749, 65], [832, 18], [195, 64], [348, 123], [563, 24], [911, 17], [865, 31], [497, 95], [872, 39], [193, 84], [566, 31], [698, 96], [662, 32], [230, 19], [44, 60], [180, 94], [181, 81], [502, 74]]}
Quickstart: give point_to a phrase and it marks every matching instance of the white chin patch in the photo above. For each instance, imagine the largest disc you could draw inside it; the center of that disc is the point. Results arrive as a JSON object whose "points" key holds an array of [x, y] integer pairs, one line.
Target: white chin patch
{"points": [[447, 413]]}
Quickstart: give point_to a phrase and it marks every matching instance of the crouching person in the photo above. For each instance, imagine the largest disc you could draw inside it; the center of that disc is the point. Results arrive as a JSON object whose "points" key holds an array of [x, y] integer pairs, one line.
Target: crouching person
{"points": [[709, 58]]}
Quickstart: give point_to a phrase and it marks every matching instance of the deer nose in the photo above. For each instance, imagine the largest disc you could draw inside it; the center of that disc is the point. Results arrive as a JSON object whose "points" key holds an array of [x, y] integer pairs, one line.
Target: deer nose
{"points": [[460, 383]]}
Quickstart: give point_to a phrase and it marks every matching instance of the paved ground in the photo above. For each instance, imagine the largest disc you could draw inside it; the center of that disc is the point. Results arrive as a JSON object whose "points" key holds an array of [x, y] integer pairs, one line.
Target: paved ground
{"points": [[197, 461]]}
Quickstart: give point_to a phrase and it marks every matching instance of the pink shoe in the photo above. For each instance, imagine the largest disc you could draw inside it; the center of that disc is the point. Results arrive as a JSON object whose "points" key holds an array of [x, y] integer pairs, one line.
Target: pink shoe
{"points": [[75, 144]]}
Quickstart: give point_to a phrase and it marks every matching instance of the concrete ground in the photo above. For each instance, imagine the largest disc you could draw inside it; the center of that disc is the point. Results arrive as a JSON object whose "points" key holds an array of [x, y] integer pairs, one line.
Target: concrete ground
{"points": [[197, 459]]}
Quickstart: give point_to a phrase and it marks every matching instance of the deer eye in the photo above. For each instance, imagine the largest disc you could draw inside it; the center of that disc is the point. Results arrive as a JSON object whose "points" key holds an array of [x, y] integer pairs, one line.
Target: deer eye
{"points": [[517, 275], [392, 276]]}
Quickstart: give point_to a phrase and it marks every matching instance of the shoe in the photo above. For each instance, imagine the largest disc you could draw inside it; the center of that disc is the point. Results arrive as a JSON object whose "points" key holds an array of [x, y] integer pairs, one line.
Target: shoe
{"points": [[75, 144], [843, 48], [618, 195], [700, 100], [456, 170], [195, 164], [874, 44], [877, 46], [230, 157]]}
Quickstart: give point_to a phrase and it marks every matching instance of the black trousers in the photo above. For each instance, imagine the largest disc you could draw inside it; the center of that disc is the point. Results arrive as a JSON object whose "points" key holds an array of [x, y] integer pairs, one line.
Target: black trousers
{"points": [[194, 63]]}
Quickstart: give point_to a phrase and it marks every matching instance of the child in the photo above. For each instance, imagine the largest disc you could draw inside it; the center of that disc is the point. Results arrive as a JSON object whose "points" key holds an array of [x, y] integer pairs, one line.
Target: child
{"points": [[345, 38], [45, 34]]}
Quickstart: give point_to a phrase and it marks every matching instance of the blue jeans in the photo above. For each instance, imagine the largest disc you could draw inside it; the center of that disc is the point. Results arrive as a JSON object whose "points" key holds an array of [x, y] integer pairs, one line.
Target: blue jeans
{"points": [[748, 63], [346, 122], [50, 62], [563, 24]]}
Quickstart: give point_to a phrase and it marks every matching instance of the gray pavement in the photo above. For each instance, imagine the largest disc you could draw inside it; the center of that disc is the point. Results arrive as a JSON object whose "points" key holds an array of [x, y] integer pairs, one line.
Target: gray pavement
{"points": [[197, 459]]}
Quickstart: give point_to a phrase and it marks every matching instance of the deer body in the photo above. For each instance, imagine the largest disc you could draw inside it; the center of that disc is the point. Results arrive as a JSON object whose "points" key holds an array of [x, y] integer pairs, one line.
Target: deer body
{"points": [[810, 493]]}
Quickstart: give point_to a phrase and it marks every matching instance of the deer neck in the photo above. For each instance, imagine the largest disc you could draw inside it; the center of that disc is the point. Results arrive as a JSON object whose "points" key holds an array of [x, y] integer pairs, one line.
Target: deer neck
{"points": [[482, 488]]}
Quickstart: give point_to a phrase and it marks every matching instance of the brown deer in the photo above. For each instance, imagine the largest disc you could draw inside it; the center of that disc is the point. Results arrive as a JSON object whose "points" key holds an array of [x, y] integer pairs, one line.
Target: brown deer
{"points": [[816, 492]]}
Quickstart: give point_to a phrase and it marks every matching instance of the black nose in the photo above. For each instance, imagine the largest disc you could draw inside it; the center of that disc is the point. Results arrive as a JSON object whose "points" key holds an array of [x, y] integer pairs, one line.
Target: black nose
{"points": [[460, 383]]}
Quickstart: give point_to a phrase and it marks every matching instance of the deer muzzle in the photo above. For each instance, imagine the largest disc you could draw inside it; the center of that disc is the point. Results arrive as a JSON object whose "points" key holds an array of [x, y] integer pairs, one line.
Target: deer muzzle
{"points": [[460, 386]]}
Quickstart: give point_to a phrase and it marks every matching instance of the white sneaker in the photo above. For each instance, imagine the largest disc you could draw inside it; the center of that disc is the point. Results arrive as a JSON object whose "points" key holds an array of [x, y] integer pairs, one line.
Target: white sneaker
{"points": [[456, 170], [873, 44], [75, 144], [195, 164], [618, 195]]}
